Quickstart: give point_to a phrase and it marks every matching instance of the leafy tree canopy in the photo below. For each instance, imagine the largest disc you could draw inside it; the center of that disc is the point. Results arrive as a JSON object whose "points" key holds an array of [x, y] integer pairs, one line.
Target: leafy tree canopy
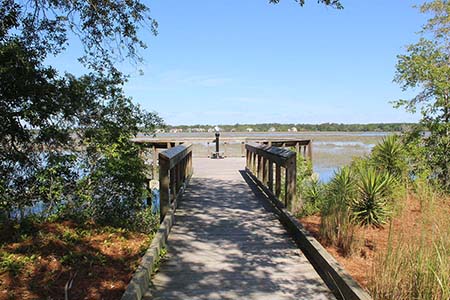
{"points": [[426, 67], [108, 29]]}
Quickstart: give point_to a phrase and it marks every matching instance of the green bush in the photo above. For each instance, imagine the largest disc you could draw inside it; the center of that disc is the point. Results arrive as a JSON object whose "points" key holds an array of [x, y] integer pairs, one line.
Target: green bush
{"points": [[336, 225], [313, 195], [371, 205], [390, 156]]}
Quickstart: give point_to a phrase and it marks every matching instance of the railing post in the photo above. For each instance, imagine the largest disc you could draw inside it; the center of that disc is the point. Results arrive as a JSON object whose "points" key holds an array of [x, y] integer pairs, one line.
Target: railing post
{"points": [[173, 185], [264, 170], [164, 187], [310, 151], [253, 166], [277, 181], [259, 172], [270, 183], [291, 182], [155, 161]]}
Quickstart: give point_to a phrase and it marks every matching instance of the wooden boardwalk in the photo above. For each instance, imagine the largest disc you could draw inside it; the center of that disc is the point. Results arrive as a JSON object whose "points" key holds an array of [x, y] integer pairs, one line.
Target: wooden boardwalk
{"points": [[226, 244]]}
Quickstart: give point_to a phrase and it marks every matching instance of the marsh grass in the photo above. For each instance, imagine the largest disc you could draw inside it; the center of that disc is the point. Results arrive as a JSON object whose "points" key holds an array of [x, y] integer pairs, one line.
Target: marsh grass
{"points": [[416, 263]]}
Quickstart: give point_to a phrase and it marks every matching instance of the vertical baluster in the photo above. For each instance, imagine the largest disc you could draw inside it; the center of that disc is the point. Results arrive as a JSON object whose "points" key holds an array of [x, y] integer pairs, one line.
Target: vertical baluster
{"points": [[277, 180], [270, 183], [291, 182], [164, 187]]}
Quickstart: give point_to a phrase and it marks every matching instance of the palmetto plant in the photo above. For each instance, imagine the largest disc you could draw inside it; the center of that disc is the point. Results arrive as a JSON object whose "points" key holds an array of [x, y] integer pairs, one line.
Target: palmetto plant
{"points": [[390, 156], [371, 206]]}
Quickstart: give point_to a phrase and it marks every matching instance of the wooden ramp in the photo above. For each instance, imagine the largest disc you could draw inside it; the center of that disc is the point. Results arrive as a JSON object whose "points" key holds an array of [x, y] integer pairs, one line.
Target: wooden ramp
{"points": [[226, 245]]}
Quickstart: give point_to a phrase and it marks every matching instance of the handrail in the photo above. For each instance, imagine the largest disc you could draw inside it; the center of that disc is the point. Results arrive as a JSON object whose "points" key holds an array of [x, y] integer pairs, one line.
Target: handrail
{"points": [[175, 168], [260, 162]]}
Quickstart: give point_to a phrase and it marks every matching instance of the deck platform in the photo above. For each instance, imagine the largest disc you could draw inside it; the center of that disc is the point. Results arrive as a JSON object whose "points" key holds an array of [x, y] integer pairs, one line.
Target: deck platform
{"points": [[226, 244]]}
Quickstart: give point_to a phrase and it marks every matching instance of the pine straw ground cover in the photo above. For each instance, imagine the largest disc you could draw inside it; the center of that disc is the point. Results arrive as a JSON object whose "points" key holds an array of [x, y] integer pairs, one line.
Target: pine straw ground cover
{"points": [[38, 260], [406, 259]]}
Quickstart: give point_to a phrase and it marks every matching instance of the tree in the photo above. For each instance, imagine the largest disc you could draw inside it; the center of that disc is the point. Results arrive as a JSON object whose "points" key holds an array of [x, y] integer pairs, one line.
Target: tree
{"points": [[426, 67], [107, 29], [58, 131]]}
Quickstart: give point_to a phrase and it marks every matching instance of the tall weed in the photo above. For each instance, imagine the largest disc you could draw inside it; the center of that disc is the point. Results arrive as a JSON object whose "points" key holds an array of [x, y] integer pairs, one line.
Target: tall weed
{"points": [[336, 222], [416, 268]]}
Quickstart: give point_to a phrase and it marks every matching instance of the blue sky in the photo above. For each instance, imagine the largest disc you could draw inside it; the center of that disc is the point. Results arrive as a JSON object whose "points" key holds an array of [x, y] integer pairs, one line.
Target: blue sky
{"points": [[234, 61]]}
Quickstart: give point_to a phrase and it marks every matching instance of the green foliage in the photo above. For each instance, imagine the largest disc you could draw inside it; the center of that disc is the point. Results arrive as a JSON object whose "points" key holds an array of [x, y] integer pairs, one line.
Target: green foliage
{"points": [[371, 205], [13, 263], [145, 221], [108, 31], [390, 156], [313, 194], [426, 67], [336, 225], [66, 141], [309, 188]]}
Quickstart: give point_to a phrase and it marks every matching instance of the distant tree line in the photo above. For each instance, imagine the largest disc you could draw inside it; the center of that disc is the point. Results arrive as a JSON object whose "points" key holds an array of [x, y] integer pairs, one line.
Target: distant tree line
{"points": [[381, 127]]}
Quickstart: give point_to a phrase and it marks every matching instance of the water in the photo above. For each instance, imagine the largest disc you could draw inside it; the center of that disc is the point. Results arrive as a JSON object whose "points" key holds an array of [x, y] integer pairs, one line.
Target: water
{"points": [[325, 174]]}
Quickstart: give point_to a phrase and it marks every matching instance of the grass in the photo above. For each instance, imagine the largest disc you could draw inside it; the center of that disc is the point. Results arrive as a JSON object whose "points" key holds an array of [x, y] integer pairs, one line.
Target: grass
{"points": [[38, 259], [416, 263]]}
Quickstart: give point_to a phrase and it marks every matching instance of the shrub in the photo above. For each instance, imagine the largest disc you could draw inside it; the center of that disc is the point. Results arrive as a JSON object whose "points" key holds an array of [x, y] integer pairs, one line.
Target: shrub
{"points": [[371, 205], [336, 224], [390, 156], [313, 195]]}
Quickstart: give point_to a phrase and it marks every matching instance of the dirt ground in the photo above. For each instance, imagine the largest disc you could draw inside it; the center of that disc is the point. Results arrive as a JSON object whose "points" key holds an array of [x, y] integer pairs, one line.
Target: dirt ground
{"points": [[41, 261]]}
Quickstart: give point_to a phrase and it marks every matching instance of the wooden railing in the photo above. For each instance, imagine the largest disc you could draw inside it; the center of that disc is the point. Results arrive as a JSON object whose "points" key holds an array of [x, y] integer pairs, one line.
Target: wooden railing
{"points": [[274, 167], [175, 169]]}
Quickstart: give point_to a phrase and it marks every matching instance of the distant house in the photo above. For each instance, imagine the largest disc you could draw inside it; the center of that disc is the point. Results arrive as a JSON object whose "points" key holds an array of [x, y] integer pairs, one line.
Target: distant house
{"points": [[211, 130], [160, 130], [249, 129], [233, 130], [293, 129], [272, 129]]}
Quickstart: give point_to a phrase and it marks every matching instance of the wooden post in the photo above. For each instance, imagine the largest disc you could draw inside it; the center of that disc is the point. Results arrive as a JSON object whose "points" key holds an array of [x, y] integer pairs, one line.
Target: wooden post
{"points": [[164, 187], [310, 155], [291, 182], [270, 183], [178, 176], [260, 167], [155, 161], [297, 148], [224, 149], [265, 172], [173, 185], [169, 145], [242, 149], [208, 149], [248, 159], [277, 180]]}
